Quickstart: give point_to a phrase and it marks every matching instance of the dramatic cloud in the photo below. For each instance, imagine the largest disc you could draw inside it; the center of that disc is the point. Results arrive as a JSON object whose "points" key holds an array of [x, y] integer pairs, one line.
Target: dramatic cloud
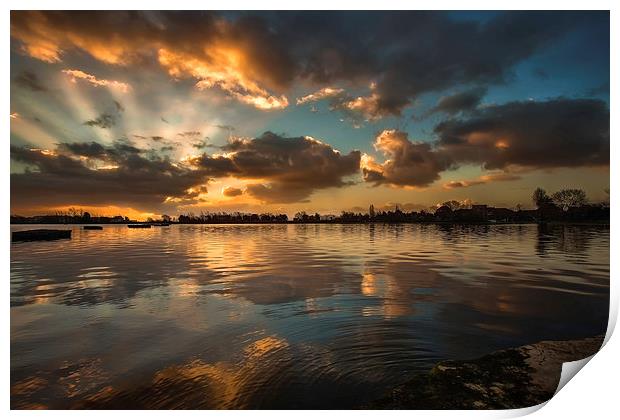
{"points": [[76, 75], [390, 53], [525, 135], [243, 58], [286, 169], [94, 174], [550, 134], [356, 109], [188, 75], [407, 163], [30, 80], [462, 101], [255, 59], [277, 170]]}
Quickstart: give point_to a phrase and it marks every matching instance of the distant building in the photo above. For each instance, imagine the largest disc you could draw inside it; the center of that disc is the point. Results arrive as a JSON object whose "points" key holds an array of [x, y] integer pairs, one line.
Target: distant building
{"points": [[371, 211], [500, 214]]}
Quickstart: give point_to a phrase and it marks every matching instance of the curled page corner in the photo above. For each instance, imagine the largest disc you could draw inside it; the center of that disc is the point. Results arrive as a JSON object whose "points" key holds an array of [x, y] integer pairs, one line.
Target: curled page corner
{"points": [[520, 412], [570, 369]]}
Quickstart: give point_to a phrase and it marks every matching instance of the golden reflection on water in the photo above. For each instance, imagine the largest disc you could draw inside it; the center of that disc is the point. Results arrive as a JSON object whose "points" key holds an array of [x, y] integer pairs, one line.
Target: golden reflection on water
{"points": [[286, 316]]}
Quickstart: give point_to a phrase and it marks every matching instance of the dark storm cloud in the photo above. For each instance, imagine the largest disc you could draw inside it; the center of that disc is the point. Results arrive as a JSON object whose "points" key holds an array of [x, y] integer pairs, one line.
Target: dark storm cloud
{"points": [[30, 80], [285, 170], [93, 174], [291, 168], [215, 166], [554, 133], [86, 149], [408, 54], [459, 102], [405, 53], [526, 135]]}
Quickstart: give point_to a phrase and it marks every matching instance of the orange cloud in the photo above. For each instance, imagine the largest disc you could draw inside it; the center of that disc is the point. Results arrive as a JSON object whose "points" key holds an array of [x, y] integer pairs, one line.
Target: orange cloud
{"points": [[327, 92], [93, 80], [47, 39], [224, 68], [219, 54], [367, 106], [407, 164], [484, 179]]}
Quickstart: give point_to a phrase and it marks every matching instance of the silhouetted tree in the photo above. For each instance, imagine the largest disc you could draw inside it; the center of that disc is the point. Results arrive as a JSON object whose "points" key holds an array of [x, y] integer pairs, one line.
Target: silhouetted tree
{"points": [[569, 198], [452, 205], [540, 197]]}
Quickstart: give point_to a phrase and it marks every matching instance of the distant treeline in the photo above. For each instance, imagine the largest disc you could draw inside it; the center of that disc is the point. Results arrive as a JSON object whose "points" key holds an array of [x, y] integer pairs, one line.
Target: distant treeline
{"points": [[71, 216], [233, 218], [478, 213], [563, 206]]}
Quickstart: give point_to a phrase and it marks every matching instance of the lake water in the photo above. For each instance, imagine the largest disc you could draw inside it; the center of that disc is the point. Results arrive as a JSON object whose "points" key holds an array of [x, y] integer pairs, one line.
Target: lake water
{"points": [[286, 316]]}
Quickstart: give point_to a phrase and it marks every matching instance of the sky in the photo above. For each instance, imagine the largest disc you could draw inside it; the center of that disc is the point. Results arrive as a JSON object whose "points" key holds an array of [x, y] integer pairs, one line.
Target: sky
{"points": [[150, 113]]}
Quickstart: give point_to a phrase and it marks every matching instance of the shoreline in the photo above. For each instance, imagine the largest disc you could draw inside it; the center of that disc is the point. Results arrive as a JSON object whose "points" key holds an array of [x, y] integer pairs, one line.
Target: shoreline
{"points": [[518, 377], [442, 223]]}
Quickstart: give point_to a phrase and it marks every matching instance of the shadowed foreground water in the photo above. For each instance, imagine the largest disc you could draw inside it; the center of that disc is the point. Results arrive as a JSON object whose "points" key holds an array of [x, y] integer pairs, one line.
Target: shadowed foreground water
{"points": [[286, 316]]}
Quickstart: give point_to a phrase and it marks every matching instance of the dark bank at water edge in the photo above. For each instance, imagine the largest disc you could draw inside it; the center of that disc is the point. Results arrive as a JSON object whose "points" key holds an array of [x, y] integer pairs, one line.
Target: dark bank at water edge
{"points": [[513, 378]]}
